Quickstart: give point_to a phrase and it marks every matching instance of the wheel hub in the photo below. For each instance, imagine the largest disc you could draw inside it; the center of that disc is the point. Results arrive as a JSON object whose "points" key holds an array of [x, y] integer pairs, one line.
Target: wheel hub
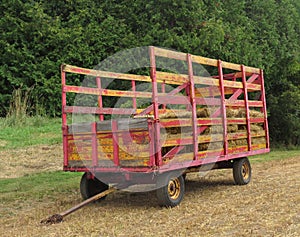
{"points": [[245, 171], [174, 188]]}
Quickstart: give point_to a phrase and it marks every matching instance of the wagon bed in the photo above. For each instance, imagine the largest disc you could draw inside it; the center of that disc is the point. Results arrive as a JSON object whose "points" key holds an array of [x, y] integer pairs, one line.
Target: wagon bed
{"points": [[192, 121]]}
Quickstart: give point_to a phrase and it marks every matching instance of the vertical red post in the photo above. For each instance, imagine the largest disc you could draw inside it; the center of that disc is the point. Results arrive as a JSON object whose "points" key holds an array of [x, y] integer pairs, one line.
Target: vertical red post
{"points": [[163, 90], [151, 143], [193, 103], [114, 129], [100, 102], [133, 98], [94, 144], [64, 117], [244, 81], [188, 92], [223, 106], [155, 106], [263, 99]]}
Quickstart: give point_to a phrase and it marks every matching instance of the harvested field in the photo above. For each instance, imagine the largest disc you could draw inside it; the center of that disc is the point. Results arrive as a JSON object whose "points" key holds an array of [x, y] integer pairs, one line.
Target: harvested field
{"points": [[20, 162], [212, 206]]}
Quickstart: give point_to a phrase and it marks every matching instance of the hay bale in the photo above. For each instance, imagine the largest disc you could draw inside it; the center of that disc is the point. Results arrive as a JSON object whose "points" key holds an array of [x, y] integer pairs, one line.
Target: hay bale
{"points": [[203, 113], [231, 143], [255, 127], [232, 128], [176, 114], [252, 113], [256, 114], [215, 145], [215, 129], [241, 142], [206, 131], [258, 140], [203, 146], [173, 130], [232, 113]]}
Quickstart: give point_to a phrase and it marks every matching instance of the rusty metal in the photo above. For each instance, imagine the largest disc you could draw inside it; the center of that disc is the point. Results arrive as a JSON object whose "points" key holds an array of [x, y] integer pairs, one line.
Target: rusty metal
{"points": [[57, 218]]}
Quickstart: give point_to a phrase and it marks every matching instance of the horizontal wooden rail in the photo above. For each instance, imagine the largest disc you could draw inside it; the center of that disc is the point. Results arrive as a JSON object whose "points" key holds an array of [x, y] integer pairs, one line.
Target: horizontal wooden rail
{"points": [[106, 92], [186, 139], [181, 122], [99, 73], [202, 60], [162, 77], [96, 110], [241, 103]]}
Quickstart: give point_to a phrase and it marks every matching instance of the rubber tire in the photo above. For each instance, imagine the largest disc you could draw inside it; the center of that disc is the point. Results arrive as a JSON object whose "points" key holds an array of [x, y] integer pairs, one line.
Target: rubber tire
{"points": [[163, 195], [91, 187], [239, 175]]}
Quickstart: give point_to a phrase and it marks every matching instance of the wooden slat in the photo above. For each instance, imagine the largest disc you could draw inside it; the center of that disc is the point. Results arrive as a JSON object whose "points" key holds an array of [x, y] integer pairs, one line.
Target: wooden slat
{"points": [[171, 78], [211, 91], [169, 54], [241, 103], [241, 135], [204, 60], [165, 99], [99, 73], [206, 81], [120, 93], [96, 110], [214, 62], [200, 92]]}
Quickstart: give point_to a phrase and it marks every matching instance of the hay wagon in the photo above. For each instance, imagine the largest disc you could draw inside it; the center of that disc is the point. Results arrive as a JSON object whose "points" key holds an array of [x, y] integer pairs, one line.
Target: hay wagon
{"points": [[165, 123]]}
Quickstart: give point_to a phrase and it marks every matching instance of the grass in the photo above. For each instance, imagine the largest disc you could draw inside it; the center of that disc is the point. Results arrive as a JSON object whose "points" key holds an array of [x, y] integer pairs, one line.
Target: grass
{"points": [[44, 185], [36, 182], [32, 131], [38, 187], [275, 155]]}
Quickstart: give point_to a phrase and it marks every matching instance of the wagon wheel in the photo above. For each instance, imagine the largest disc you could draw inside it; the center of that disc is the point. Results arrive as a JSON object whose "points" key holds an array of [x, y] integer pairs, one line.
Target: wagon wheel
{"points": [[91, 186], [171, 191], [242, 171]]}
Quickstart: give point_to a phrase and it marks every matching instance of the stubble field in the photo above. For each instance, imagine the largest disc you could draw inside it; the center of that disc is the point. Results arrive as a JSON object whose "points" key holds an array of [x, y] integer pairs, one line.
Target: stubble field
{"points": [[212, 206]]}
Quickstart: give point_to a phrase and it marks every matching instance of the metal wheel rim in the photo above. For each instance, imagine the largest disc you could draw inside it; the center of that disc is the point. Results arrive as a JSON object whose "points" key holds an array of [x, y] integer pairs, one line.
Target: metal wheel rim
{"points": [[174, 188], [245, 171]]}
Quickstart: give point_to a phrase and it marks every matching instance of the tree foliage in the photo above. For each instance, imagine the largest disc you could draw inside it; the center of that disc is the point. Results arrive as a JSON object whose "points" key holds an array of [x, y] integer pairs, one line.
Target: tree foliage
{"points": [[38, 35]]}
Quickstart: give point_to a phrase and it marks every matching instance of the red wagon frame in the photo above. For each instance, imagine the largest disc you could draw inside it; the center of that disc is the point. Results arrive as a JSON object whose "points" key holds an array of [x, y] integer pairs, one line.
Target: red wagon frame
{"points": [[252, 80]]}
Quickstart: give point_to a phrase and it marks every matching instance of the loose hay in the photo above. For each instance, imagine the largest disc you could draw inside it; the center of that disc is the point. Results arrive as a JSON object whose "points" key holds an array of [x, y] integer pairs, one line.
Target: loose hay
{"points": [[271, 200], [203, 113], [185, 131], [241, 113]]}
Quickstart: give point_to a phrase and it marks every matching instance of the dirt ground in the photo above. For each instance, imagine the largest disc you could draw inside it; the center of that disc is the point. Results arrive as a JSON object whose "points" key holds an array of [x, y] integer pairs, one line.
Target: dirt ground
{"points": [[212, 206]]}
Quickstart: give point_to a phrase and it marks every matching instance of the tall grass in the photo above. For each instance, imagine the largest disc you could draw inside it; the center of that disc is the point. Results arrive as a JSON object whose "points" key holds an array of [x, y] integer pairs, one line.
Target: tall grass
{"points": [[19, 107], [20, 128]]}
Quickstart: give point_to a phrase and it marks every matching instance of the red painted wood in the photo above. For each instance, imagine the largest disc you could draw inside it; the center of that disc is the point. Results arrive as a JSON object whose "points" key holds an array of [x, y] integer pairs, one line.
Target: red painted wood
{"points": [[223, 108], [193, 103], [96, 110], [163, 90], [245, 90], [94, 144], [171, 93], [134, 90], [263, 98], [253, 83], [100, 101], [155, 106], [114, 128], [64, 118]]}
